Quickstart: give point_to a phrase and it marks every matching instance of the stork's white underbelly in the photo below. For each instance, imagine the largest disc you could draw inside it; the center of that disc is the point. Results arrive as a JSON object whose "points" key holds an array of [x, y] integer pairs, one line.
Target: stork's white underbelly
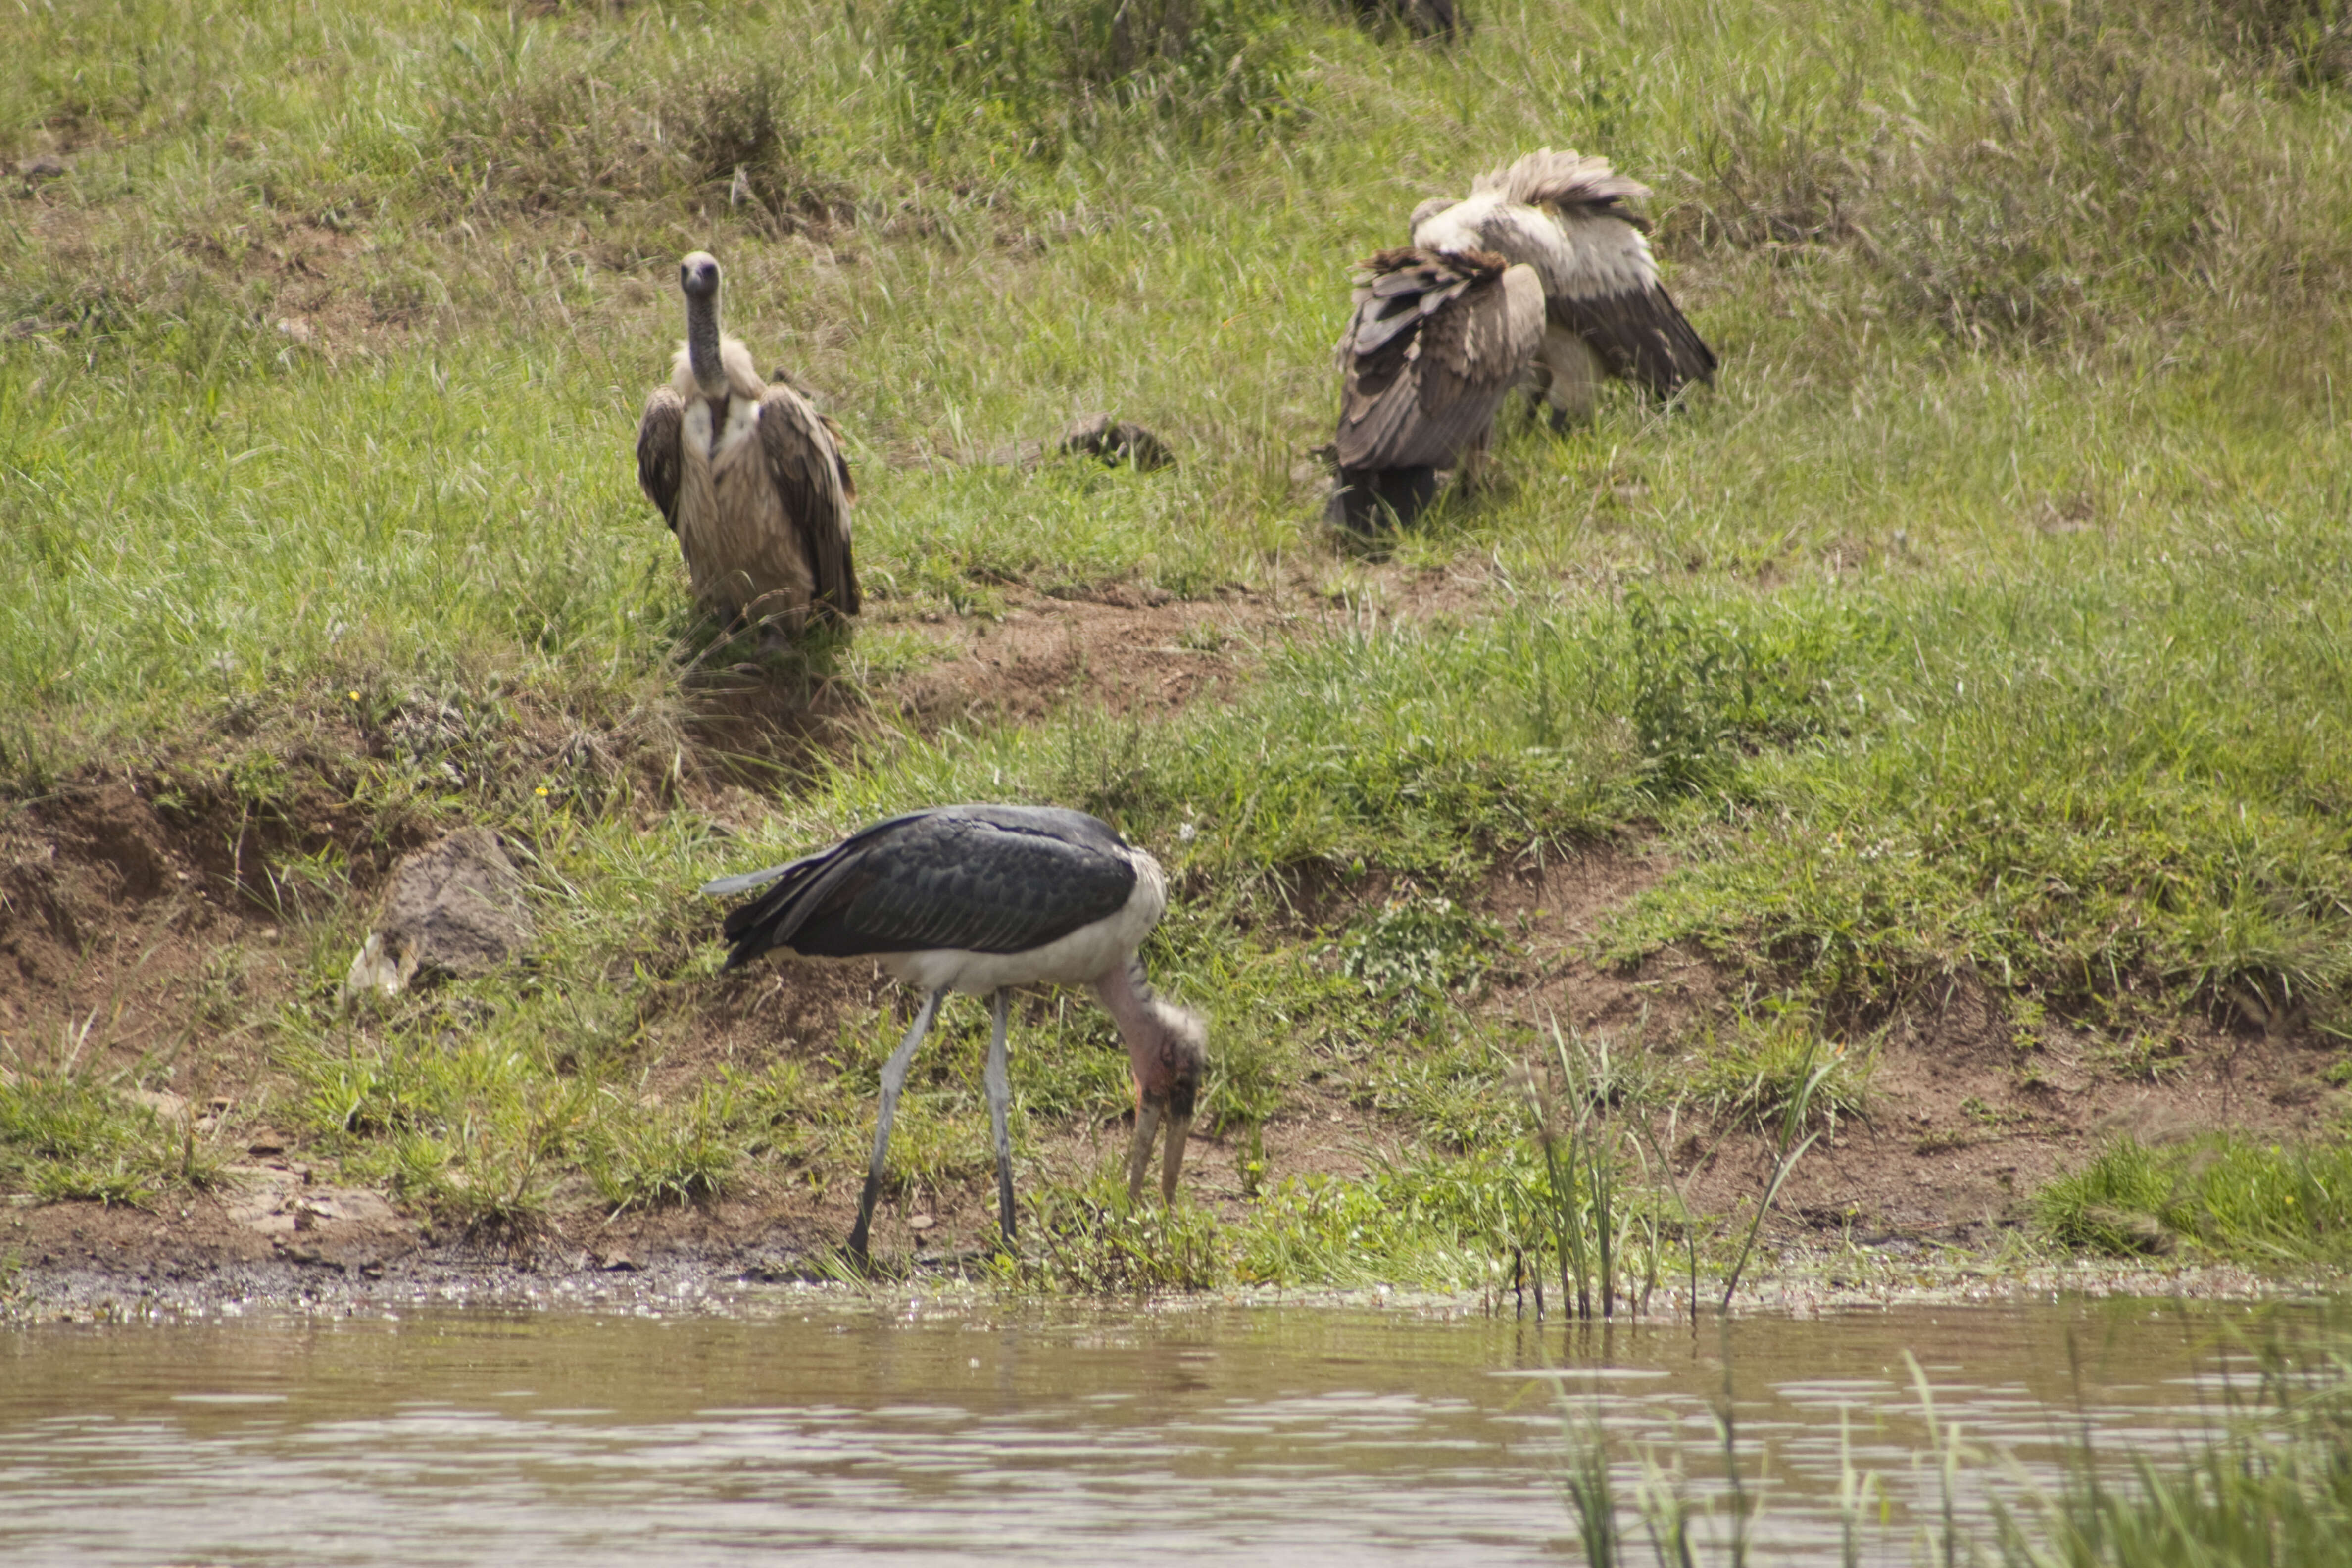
{"points": [[1084, 956]]}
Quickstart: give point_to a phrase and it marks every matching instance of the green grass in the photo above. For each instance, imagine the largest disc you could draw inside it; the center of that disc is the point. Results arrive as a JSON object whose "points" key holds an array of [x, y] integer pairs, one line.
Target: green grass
{"points": [[66, 1135], [2229, 1196], [1984, 617], [2273, 1489], [2270, 1485]]}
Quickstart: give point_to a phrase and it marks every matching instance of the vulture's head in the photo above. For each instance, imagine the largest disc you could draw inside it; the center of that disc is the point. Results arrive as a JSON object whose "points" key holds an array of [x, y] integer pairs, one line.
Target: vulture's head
{"points": [[1429, 209], [698, 276]]}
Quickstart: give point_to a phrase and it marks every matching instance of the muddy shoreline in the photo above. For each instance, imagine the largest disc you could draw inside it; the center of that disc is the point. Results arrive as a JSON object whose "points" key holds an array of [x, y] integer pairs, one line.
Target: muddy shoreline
{"points": [[727, 1275]]}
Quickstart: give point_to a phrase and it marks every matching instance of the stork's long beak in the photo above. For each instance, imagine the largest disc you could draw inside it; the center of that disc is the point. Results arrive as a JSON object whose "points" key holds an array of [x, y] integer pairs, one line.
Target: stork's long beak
{"points": [[1178, 1128], [1148, 1116], [1138, 1157]]}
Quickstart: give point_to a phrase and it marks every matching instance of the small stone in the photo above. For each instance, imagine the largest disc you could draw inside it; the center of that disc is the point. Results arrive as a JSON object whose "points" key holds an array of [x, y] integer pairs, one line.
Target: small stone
{"points": [[617, 1263], [1114, 441], [455, 908], [920, 1221], [163, 1102], [1103, 436], [348, 1206]]}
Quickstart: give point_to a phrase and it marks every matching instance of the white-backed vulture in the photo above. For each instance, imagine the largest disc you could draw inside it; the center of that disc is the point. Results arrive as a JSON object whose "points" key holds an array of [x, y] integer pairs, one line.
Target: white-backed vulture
{"points": [[749, 475], [1435, 342], [1605, 308]]}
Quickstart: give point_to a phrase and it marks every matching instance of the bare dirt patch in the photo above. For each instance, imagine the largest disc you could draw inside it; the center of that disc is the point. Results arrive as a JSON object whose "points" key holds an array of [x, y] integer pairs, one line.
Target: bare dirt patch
{"points": [[1970, 1117], [1115, 651], [139, 929], [1968, 1112]]}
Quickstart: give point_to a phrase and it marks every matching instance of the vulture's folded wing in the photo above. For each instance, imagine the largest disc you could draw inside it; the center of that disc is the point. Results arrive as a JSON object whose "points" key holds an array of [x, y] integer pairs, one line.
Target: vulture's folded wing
{"points": [[658, 457], [1642, 336], [1564, 215], [1435, 342], [1604, 287], [840, 456], [806, 466]]}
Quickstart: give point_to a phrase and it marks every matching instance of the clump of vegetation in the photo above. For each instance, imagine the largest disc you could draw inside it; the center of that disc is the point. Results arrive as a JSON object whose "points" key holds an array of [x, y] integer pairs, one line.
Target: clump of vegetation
{"points": [[1709, 687], [2098, 166], [1042, 76], [686, 1154], [524, 127], [1091, 1240], [1420, 951], [64, 1135], [2229, 1196], [1766, 1063], [2271, 1487], [2276, 1487]]}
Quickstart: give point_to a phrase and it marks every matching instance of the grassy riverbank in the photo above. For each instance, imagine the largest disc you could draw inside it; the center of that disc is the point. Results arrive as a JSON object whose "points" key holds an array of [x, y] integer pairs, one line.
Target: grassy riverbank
{"points": [[1951, 699]]}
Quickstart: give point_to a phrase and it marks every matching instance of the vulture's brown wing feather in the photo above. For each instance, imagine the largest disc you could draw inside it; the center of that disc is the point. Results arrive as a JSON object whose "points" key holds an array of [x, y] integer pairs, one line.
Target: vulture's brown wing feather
{"points": [[1434, 346], [806, 466], [840, 456], [1640, 335], [658, 457]]}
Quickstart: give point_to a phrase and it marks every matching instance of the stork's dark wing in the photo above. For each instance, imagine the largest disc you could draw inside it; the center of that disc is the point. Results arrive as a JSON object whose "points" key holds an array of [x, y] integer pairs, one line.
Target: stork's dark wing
{"points": [[1436, 340], [982, 878], [1639, 334], [805, 463], [658, 458]]}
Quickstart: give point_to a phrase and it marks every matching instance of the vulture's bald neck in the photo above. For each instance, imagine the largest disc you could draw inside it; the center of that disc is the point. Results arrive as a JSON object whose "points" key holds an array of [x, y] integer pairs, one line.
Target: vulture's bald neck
{"points": [[702, 344]]}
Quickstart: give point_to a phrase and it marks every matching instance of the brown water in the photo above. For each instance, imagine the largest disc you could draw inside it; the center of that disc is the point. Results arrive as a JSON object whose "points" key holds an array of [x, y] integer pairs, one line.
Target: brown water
{"points": [[819, 1429]]}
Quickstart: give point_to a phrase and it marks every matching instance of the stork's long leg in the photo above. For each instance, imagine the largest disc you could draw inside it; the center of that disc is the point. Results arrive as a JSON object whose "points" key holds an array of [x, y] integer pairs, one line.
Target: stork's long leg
{"points": [[894, 1078], [999, 1081]]}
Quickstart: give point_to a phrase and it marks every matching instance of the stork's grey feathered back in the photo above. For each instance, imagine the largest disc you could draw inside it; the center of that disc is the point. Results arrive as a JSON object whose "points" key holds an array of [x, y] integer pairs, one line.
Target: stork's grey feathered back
{"points": [[984, 878]]}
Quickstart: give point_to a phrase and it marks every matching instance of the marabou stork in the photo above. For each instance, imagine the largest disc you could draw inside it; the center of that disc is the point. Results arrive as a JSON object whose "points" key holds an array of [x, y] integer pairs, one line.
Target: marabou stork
{"points": [[748, 475], [980, 899]]}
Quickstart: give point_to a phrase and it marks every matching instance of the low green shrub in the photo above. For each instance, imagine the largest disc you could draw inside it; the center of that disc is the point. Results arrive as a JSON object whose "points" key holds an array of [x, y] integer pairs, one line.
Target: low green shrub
{"points": [[2230, 1196], [1036, 74], [63, 1136]]}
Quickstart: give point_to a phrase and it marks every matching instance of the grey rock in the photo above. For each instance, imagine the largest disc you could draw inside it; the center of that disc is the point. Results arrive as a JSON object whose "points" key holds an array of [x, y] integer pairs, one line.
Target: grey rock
{"points": [[455, 909]]}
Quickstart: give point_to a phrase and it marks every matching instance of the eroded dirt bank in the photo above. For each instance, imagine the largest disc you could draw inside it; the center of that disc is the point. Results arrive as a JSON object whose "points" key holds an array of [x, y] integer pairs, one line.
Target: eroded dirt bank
{"points": [[147, 932]]}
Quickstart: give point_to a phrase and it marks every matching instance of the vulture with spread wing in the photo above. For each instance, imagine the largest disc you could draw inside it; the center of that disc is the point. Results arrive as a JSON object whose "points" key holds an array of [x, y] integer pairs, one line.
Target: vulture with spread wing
{"points": [[1605, 311], [1436, 340], [749, 475]]}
